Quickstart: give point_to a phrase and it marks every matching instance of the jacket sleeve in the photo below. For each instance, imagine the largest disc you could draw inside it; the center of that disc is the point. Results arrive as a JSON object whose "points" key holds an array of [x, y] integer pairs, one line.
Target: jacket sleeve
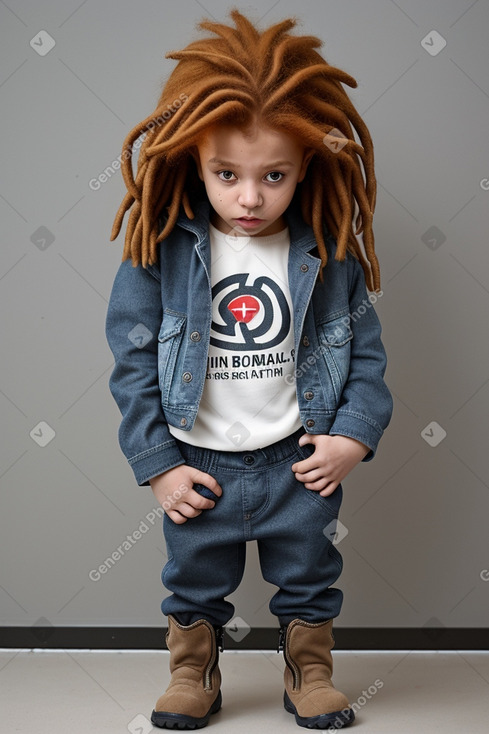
{"points": [[366, 405], [132, 325]]}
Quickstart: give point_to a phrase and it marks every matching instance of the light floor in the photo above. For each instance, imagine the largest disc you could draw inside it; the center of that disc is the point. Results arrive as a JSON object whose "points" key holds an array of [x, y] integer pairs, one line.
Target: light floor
{"points": [[81, 692]]}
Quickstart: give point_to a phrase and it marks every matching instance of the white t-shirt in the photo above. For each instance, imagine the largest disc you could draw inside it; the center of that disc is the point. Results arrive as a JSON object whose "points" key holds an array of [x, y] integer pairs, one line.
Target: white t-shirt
{"points": [[247, 401]]}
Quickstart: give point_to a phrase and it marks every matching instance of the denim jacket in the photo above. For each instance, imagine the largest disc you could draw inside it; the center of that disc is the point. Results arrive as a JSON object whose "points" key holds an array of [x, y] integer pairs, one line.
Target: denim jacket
{"points": [[158, 328]]}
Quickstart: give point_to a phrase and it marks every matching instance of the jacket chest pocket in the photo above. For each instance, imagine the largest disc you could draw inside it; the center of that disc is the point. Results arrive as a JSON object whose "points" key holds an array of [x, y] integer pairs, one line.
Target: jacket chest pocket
{"points": [[335, 339], [169, 342]]}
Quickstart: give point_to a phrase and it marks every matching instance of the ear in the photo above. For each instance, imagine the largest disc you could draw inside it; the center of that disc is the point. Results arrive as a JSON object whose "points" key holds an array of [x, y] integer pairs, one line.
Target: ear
{"points": [[308, 154]]}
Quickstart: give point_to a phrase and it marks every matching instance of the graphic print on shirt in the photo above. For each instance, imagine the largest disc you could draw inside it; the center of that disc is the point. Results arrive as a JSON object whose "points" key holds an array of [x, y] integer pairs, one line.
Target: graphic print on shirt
{"points": [[248, 316], [249, 396]]}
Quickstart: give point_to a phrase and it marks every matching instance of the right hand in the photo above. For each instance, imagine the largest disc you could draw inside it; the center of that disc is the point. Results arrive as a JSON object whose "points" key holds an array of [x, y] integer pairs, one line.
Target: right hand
{"points": [[175, 487]]}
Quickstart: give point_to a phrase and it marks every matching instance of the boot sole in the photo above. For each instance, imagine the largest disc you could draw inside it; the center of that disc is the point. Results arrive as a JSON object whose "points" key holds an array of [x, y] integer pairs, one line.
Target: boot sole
{"points": [[331, 721], [167, 720]]}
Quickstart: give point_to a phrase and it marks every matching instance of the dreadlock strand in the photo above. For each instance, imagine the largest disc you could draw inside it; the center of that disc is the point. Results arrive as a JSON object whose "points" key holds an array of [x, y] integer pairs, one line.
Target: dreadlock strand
{"points": [[211, 91], [331, 91], [290, 46], [227, 34], [166, 197], [330, 204], [358, 223], [317, 223], [330, 113], [186, 206], [126, 156], [150, 196], [292, 83], [175, 205], [124, 206], [195, 111], [166, 192], [368, 155], [159, 200], [138, 244], [190, 134], [272, 38], [149, 238], [327, 112], [132, 241], [307, 192], [173, 211], [368, 242], [332, 214], [132, 221], [168, 226], [215, 60], [154, 134], [345, 208], [136, 184], [312, 135], [247, 30], [362, 199]]}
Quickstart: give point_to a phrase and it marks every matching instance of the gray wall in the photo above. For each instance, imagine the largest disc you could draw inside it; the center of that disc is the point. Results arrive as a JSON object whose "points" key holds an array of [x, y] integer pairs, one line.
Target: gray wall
{"points": [[416, 550]]}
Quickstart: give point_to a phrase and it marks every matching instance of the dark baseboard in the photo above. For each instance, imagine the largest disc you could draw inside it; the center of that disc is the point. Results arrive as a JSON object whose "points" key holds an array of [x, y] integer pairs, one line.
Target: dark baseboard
{"points": [[261, 638]]}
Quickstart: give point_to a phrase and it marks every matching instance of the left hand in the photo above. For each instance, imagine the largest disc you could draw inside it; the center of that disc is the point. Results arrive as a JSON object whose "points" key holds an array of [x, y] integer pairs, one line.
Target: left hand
{"points": [[334, 457]]}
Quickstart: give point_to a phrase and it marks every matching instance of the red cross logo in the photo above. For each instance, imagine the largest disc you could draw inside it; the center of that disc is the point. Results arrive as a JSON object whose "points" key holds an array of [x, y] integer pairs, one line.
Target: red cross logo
{"points": [[244, 308]]}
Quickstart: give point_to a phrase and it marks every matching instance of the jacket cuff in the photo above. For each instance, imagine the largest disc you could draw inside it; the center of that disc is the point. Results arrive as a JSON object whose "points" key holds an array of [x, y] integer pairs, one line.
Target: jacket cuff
{"points": [[355, 426], [155, 461]]}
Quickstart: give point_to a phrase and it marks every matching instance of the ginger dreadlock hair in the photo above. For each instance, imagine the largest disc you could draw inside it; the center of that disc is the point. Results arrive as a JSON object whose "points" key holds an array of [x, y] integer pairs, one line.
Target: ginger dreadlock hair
{"points": [[237, 78]]}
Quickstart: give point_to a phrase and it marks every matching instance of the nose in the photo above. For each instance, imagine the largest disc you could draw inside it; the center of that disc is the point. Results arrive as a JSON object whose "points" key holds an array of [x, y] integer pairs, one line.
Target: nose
{"points": [[250, 196]]}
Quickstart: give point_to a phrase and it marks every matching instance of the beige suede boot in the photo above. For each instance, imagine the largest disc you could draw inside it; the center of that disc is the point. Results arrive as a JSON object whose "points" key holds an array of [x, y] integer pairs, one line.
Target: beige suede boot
{"points": [[309, 691], [194, 691]]}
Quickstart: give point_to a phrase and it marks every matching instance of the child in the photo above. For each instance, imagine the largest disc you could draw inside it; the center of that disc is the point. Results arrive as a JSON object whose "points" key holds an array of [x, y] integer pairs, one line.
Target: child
{"points": [[248, 361]]}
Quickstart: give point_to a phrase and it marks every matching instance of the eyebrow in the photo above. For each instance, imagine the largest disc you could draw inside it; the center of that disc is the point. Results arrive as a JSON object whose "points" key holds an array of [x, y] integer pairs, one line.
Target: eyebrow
{"points": [[275, 164]]}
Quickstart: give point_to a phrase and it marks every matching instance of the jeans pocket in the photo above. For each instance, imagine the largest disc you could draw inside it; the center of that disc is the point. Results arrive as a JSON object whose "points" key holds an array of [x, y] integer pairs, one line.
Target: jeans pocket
{"points": [[330, 504]]}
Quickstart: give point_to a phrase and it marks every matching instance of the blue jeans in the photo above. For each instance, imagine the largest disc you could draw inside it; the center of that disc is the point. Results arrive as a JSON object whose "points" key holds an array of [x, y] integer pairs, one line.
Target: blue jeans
{"points": [[261, 500]]}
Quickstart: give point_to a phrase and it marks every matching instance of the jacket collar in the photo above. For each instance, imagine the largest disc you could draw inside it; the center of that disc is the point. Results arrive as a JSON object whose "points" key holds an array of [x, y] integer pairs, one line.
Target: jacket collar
{"points": [[301, 234]]}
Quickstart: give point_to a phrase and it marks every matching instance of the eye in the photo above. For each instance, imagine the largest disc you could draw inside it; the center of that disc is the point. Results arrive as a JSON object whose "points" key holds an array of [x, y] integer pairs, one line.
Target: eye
{"points": [[225, 175], [274, 176]]}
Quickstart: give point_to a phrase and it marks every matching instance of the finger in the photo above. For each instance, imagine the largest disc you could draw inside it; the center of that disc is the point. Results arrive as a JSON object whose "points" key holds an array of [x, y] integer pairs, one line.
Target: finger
{"points": [[317, 485], [187, 510], [200, 497], [176, 517], [310, 476], [302, 467], [329, 489], [306, 438], [200, 477]]}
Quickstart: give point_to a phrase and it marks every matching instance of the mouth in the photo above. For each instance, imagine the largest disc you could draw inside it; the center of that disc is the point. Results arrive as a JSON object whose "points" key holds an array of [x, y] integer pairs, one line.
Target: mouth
{"points": [[249, 221]]}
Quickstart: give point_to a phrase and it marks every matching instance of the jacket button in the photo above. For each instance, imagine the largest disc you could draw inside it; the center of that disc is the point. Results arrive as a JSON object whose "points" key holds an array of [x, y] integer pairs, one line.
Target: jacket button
{"points": [[310, 423], [195, 336], [305, 341], [304, 268], [183, 421], [187, 376], [309, 395]]}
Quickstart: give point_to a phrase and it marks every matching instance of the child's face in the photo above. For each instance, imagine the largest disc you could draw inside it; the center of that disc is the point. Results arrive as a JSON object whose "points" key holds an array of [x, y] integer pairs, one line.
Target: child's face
{"points": [[250, 177]]}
